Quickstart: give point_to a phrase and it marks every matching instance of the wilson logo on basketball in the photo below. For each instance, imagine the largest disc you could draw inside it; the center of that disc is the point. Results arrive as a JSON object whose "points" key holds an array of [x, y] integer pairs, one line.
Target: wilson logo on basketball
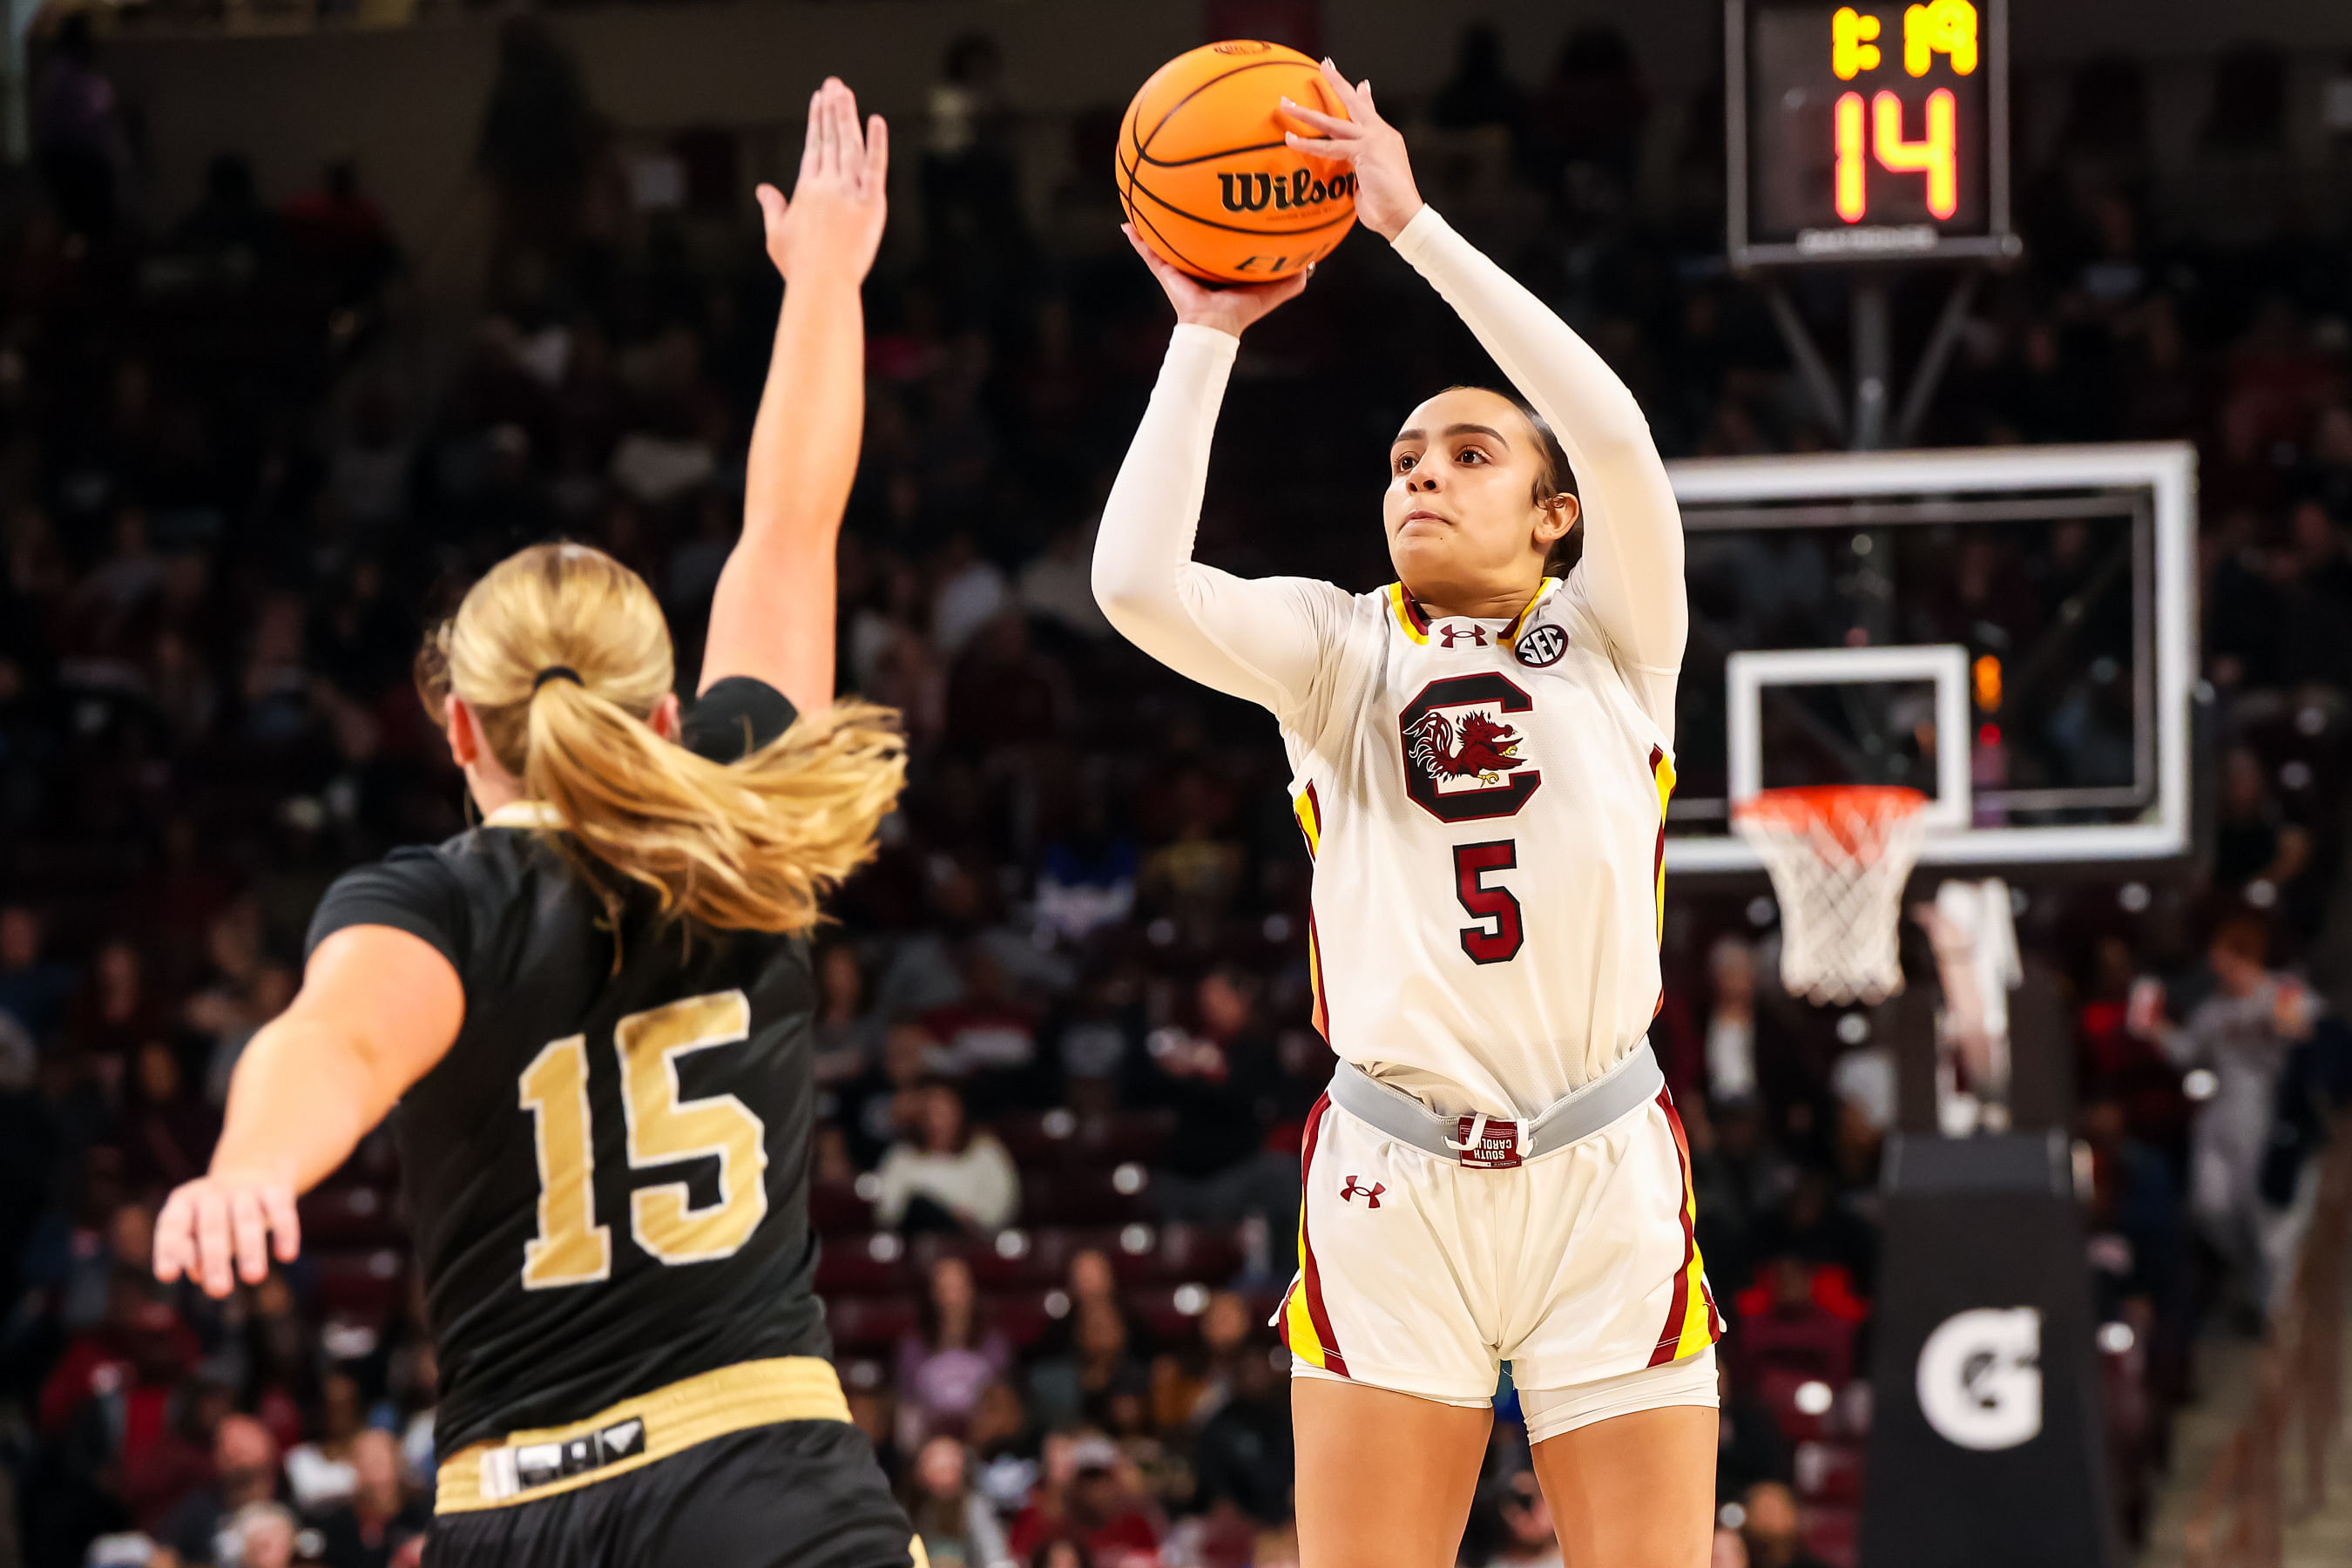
{"points": [[1241, 46], [1372, 1194], [1250, 193], [1464, 759]]}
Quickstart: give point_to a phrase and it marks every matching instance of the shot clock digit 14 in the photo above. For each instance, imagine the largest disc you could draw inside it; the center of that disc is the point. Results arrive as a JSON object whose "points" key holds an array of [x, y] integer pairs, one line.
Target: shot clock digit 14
{"points": [[1862, 132]]}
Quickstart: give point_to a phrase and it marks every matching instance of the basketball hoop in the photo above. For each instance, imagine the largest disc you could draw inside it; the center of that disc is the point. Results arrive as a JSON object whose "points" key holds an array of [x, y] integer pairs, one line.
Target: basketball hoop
{"points": [[1839, 854]]}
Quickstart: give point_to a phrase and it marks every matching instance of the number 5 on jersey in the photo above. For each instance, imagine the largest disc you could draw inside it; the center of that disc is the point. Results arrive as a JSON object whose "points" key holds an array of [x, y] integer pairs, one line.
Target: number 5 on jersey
{"points": [[663, 1128], [1501, 942]]}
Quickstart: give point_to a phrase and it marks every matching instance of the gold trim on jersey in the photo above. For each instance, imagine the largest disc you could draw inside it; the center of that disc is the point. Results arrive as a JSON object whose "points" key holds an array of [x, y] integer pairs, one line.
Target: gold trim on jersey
{"points": [[1662, 774], [633, 1434], [1407, 610], [1519, 621], [1413, 621]]}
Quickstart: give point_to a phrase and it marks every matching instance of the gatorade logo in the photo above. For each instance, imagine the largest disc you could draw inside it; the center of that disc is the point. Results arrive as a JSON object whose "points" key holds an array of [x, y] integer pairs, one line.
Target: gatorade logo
{"points": [[1980, 1378], [1253, 192]]}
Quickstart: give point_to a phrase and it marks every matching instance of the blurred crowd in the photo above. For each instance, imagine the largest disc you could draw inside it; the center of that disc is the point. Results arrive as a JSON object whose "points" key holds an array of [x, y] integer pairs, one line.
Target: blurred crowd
{"points": [[1064, 1049]]}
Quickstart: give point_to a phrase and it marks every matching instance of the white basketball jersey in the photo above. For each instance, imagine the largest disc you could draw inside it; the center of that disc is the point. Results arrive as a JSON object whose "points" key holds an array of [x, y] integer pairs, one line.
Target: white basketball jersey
{"points": [[1485, 801]]}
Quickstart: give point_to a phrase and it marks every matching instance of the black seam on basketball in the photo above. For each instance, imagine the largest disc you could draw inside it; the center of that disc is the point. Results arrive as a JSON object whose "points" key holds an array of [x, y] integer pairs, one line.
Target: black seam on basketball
{"points": [[1136, 184], [1167, 247], [1224, 152], [1143, 144]]}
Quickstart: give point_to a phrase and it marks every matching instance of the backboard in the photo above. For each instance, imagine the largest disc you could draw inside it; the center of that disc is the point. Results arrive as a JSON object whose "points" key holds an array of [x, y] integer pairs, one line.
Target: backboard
{"points": [[2010, 630]]}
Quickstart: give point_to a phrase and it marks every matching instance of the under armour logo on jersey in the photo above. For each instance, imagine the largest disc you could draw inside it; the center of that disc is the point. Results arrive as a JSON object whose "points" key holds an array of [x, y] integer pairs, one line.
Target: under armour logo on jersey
{"points": [[1372, 1194], [1449, 631]]}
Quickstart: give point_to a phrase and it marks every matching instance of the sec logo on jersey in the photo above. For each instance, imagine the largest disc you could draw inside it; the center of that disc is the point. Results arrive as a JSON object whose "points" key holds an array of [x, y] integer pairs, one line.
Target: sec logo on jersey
{"points": [[1540, 648]]}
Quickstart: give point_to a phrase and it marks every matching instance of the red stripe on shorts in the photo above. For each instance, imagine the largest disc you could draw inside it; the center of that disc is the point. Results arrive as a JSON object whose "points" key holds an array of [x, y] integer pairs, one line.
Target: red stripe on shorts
{"points": [[1671, 1338], [1332, 1360]]}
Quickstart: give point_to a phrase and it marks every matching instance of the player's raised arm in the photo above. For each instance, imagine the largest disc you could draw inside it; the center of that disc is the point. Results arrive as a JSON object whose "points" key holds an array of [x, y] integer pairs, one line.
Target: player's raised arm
{"points": [[1633, 564], [1260, 639], [772, 616], [378, 1008]]}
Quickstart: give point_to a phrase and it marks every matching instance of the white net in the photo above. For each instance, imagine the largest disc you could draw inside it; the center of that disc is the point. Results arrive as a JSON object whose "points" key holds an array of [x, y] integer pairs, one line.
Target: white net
{"points": [[1839, 856]]}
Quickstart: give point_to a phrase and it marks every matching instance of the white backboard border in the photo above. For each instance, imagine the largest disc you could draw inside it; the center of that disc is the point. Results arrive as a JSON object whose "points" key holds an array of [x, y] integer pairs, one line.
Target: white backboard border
{"points": [[2167, 470]]}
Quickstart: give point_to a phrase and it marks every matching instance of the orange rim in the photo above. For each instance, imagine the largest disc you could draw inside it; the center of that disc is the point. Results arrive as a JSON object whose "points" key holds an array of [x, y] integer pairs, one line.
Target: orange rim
{"points": [[1855, 814]]}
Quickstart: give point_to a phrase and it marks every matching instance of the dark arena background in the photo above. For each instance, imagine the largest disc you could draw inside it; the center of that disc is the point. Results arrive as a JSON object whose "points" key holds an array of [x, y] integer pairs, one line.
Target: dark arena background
{"points": [[313, 310]]}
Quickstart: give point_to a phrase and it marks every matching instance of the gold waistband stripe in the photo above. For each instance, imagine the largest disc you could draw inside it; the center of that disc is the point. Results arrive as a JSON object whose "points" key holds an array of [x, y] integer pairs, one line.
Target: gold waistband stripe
{"points": [[523, 1466]]}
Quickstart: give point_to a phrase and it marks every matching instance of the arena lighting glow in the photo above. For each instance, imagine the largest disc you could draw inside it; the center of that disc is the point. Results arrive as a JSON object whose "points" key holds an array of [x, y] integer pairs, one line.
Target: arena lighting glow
{"points": [[1986, 674]]}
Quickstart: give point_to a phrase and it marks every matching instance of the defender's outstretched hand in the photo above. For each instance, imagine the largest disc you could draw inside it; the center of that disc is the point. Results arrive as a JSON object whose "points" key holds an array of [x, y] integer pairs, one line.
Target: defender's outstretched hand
{"points": [[217, 1230], [1230, 309], [1386, 198], [833, 221]]}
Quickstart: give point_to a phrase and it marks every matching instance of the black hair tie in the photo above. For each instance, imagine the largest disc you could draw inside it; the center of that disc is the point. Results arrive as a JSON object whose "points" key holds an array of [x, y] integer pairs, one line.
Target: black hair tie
{"points": [[556, 672]]}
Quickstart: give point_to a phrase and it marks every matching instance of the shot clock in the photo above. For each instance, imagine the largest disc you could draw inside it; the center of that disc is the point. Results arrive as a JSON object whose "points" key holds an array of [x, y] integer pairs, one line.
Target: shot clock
{"points": [[1867, 132]]}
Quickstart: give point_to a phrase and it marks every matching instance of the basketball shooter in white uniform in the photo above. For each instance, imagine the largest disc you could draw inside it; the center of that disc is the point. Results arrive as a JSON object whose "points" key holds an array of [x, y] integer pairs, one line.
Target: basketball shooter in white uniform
{"points": [[1482, 755]]}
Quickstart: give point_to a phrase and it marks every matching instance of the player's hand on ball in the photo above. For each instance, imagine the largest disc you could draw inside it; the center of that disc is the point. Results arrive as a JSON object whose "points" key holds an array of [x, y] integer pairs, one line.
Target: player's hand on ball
{"points": [[833, 222], [217, 1230], [1230, 310], [1386, 198]]}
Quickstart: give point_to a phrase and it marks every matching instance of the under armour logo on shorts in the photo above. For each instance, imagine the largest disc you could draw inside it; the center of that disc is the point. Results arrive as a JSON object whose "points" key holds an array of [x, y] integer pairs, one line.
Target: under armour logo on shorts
{"points": [[1372, 1194]]}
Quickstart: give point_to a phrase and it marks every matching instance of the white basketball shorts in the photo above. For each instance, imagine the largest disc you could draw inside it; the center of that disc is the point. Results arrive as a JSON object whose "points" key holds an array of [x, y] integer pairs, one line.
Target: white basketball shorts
{"points": [[1420, 1274]]}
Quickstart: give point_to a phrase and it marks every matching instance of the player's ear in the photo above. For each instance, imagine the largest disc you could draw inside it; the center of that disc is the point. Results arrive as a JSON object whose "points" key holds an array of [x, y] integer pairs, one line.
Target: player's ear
{"points": [[465, 731], [664, 719], [1559, 515]]}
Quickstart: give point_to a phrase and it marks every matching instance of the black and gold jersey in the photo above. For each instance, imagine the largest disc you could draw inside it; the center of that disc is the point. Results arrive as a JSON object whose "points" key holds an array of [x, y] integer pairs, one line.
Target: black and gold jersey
{"points": [[607, 1175]]}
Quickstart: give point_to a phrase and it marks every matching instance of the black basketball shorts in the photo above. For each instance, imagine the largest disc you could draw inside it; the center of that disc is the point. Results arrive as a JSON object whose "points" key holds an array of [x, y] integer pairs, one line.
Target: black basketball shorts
{"points": [[794, 1494]]}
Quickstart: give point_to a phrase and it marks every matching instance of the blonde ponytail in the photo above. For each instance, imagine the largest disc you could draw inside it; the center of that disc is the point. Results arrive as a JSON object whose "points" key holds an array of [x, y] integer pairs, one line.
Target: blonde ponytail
{"points": [[751, 846]]}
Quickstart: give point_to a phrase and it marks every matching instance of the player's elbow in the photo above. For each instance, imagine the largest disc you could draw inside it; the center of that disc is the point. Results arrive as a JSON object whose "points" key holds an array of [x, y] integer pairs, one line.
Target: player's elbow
{"points": [[1126, 595]]}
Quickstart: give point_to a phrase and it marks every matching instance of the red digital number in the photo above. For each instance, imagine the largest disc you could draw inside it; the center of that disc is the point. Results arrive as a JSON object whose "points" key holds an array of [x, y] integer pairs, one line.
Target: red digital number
{"points": [[1472, 862]]}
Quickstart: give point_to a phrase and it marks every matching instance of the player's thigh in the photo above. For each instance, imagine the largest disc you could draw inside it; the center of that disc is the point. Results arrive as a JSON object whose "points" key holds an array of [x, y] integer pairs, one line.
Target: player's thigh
{"points": [[1385, 1480], [1634, 1490]]}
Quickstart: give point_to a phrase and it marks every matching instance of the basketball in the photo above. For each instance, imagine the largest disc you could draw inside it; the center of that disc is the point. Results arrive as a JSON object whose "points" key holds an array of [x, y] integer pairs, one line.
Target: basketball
{"points": [[1208, 181]]}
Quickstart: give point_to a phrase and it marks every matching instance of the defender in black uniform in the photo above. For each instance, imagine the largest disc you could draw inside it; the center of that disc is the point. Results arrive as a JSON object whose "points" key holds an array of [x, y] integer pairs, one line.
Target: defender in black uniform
{"points": [[593, 1013]]}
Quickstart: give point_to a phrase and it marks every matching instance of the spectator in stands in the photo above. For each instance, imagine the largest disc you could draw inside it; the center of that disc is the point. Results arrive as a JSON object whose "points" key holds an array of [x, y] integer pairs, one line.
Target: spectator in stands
{"points": [[34, 988], [1101, 1365], [951, 1360], [167, 1131], [1772, 1528], [1090, 1495], [949, 1177], [323, 1472], [369, 1529], [77, 129], [848, 1036], [1515, 1522], [958, 1527], [1243, 1453], [1749, 1446], [2240, 1035], [1219, 1075], [245, 1472], [265, 1534]]}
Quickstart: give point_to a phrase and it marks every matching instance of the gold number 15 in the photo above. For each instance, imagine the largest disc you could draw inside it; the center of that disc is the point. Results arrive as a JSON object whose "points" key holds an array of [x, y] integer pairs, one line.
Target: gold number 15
{"points": [[664, 1129]]}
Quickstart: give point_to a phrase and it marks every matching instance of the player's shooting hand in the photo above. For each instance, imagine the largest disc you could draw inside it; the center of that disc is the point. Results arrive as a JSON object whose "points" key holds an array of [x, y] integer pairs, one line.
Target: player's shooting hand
{"points": [[1230, 309], [832, 223], [218, 1229], [1386, 198]]}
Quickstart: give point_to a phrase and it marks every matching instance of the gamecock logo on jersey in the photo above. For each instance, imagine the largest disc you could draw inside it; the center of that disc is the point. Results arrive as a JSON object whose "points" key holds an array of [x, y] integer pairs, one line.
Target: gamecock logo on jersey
{"points": [[1464, 759]]}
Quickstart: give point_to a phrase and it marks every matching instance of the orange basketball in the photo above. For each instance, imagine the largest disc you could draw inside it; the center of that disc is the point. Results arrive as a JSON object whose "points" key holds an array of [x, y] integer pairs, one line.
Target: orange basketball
{"points": [[1206, 177]]}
